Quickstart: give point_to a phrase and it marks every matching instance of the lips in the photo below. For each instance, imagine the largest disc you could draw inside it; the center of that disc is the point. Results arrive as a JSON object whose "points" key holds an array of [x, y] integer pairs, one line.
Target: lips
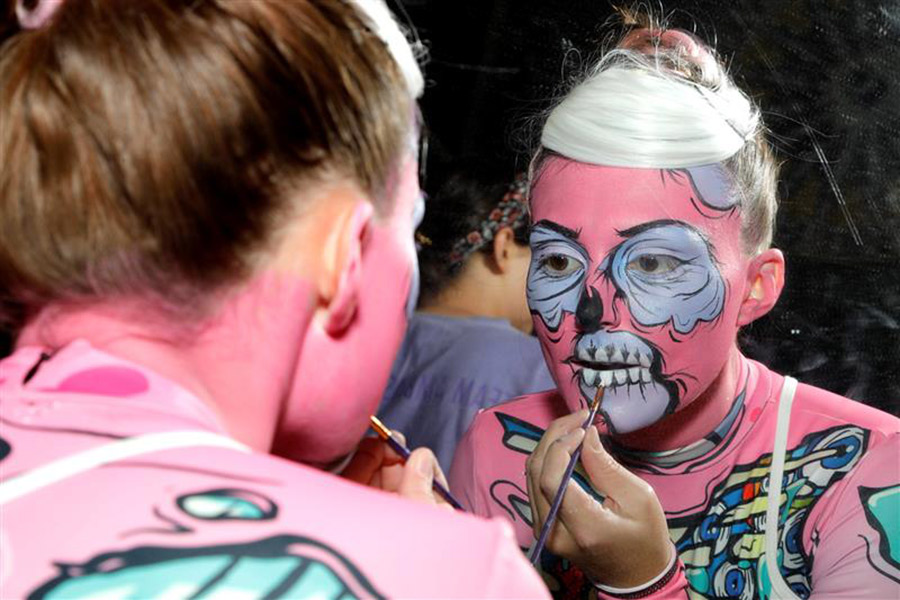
{"points": [[612, 366]]}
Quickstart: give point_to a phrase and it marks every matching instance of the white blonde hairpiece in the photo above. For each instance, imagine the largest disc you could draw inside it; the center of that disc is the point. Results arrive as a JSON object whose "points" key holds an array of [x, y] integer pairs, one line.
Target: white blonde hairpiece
{"points": [[633, 115], [387, 28]]}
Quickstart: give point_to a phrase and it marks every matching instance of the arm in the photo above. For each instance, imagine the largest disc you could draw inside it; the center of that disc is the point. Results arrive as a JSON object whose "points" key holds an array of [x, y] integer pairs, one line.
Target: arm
{"points": [[854, 532], [464, 481]]}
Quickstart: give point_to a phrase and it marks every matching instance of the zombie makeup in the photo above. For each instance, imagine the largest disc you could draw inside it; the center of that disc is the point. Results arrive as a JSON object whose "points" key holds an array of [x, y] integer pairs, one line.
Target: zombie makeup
{"points": [[635, 282]]}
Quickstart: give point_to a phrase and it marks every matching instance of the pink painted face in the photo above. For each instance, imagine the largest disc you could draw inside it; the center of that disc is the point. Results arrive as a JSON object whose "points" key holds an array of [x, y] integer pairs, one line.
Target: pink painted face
{"points": [[635, 283], [340, 379]]}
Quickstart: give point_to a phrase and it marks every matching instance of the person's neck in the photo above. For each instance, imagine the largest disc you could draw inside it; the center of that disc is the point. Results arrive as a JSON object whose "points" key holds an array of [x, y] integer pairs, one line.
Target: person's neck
{"points": [[697, 419], [473, 293], [239, 361]]}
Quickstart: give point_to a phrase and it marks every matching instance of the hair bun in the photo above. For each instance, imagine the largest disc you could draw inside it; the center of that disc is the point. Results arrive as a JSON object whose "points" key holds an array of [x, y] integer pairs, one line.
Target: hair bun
{"points": [[684, 53]]}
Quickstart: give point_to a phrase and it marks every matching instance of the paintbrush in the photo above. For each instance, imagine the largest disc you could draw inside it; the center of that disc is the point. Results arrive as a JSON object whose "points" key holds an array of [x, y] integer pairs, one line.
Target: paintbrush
{"points": [[564, 484], [386, 434]]}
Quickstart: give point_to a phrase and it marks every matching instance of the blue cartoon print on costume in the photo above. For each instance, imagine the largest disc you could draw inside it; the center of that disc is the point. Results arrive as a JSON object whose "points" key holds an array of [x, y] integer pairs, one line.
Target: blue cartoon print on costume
{"points": [[281, 566], [228, 504], [668, 274], [5, 449], [882, 508], [285, 566], [721, 544]]}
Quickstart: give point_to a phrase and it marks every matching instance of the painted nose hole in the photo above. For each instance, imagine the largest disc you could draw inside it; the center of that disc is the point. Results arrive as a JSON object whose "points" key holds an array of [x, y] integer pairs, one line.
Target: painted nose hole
{"points": [[589, 312]]}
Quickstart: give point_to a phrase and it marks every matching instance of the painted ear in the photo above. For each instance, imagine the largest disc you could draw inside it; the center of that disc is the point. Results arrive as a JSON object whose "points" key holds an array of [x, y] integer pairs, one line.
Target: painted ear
{"points": [[765, 280], [349, 237]]}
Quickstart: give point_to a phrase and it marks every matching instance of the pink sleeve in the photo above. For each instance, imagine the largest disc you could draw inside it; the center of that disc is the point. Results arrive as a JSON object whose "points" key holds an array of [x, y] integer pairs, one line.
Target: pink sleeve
{"points": [[513, 576], [855, 531], [464, 481]]}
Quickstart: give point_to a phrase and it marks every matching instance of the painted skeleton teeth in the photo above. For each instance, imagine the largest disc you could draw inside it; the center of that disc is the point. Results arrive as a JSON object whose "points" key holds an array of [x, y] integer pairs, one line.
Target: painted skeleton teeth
{"points": [[616, 356], [601, 356], [606, 378], [645, 360], [615, 377], [632, 359]]}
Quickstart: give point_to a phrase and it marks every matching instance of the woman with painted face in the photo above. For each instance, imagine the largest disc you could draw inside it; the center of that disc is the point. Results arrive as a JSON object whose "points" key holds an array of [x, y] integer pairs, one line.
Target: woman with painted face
{"points": [[706, 475], [467, 347], [206, 238]]}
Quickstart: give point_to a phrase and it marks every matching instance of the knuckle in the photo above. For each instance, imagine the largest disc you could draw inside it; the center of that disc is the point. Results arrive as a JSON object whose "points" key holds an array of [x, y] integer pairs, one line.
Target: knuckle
{"points": [[548, 487]]}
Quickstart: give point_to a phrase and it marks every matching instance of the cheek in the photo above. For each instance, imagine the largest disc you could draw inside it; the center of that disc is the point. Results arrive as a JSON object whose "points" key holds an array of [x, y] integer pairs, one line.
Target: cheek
{"points": [[340, 379], [557, 347], [693, 360]]}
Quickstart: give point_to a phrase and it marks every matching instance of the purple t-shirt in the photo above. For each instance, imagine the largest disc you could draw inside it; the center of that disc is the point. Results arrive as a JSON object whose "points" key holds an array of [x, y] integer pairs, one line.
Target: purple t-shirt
{"points": [[449, 368]]}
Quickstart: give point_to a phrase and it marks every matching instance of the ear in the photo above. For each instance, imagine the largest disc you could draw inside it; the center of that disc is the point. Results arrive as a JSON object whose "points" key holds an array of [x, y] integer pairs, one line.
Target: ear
{"points": [[502, 246], [341, 279], [765, 280]]}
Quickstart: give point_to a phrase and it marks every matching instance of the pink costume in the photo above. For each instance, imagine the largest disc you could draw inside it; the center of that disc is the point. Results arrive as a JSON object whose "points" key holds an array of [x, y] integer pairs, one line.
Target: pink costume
{"points": [[839, 524], [639, 283], [116, 482]]}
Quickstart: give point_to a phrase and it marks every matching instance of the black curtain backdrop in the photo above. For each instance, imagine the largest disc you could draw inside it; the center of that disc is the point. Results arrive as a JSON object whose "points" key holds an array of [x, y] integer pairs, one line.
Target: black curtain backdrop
{"points": [[826, 76]]}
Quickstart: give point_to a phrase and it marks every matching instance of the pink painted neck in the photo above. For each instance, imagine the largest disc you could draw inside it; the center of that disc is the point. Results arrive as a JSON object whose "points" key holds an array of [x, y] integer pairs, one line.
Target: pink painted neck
{"points": [[699, 418], [240, 361]]}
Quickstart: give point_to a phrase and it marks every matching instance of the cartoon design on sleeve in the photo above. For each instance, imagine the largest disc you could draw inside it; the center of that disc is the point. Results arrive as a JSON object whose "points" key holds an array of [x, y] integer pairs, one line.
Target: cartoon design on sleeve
{"points": [[722, 542], [228, 504], [280, 566], [5, 448], [882, 508], [285, 566], [722, 546]]}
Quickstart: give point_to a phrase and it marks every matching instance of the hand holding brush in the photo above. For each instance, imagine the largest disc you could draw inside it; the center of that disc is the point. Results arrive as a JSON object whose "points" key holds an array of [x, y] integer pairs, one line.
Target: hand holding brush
{"points": [[622, 541]]}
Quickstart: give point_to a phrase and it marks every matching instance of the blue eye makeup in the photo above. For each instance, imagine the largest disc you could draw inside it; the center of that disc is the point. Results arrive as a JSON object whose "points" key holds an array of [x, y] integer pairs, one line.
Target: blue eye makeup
{"points": [[668, 273]]}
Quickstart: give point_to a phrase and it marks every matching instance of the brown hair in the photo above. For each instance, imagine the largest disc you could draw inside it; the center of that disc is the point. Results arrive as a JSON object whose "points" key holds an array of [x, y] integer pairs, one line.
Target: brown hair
{"points": [[149, 145]]}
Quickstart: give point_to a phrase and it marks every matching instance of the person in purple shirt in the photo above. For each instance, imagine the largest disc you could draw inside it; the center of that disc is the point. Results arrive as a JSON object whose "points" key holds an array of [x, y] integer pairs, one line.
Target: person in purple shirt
{"points": [[469, 347]]}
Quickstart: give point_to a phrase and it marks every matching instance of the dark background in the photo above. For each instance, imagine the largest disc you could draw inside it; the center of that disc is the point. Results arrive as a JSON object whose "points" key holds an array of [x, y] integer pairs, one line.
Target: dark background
{"points": [[827, 75]]}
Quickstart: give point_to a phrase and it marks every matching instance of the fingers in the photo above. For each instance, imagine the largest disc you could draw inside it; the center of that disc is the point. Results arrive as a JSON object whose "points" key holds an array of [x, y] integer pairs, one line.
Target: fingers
{"points": [[366, 462], [623, 489], [418, 477], [391, 457], [547, 486], [534, 465]]}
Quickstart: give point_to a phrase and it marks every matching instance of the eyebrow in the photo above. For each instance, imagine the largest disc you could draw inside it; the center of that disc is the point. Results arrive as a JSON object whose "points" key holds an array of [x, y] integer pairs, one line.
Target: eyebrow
{"points": [[633, 231], [556, 227]]}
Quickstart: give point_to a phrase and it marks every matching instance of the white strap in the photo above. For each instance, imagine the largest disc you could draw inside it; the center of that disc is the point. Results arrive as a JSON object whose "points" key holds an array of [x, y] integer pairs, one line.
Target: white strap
{"points": [[780, 589], [70, 466]]}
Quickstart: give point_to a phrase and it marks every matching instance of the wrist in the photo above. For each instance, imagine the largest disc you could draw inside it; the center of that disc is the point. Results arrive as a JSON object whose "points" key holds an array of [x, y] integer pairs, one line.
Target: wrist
{"points": [[648, 588]]}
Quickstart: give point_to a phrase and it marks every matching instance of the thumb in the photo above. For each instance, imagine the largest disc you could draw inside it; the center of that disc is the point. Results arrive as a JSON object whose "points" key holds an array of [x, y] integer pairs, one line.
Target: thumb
{"points": [[608, 476], [418, 476]]}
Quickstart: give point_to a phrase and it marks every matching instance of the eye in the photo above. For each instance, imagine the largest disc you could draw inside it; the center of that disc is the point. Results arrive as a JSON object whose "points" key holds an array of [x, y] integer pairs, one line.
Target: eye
{"points": [[654, 264], [559, 265]]}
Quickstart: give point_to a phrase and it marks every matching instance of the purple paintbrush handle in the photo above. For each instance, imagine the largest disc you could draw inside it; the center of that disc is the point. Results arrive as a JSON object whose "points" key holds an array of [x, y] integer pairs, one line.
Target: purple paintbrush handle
{"points": [[560, 492]]}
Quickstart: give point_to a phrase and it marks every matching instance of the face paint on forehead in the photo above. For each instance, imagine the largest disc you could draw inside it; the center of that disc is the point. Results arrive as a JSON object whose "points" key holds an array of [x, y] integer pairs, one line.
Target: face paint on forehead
{"points": [[629, 284]]}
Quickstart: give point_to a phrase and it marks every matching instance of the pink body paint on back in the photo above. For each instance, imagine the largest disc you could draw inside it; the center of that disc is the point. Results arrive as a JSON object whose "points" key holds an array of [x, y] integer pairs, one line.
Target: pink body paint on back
{"points": [[239, 361]]}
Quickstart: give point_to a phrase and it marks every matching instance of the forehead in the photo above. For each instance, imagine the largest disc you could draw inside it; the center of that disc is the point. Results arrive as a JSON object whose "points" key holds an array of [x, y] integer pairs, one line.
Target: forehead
{"points": [[602, 201]]}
